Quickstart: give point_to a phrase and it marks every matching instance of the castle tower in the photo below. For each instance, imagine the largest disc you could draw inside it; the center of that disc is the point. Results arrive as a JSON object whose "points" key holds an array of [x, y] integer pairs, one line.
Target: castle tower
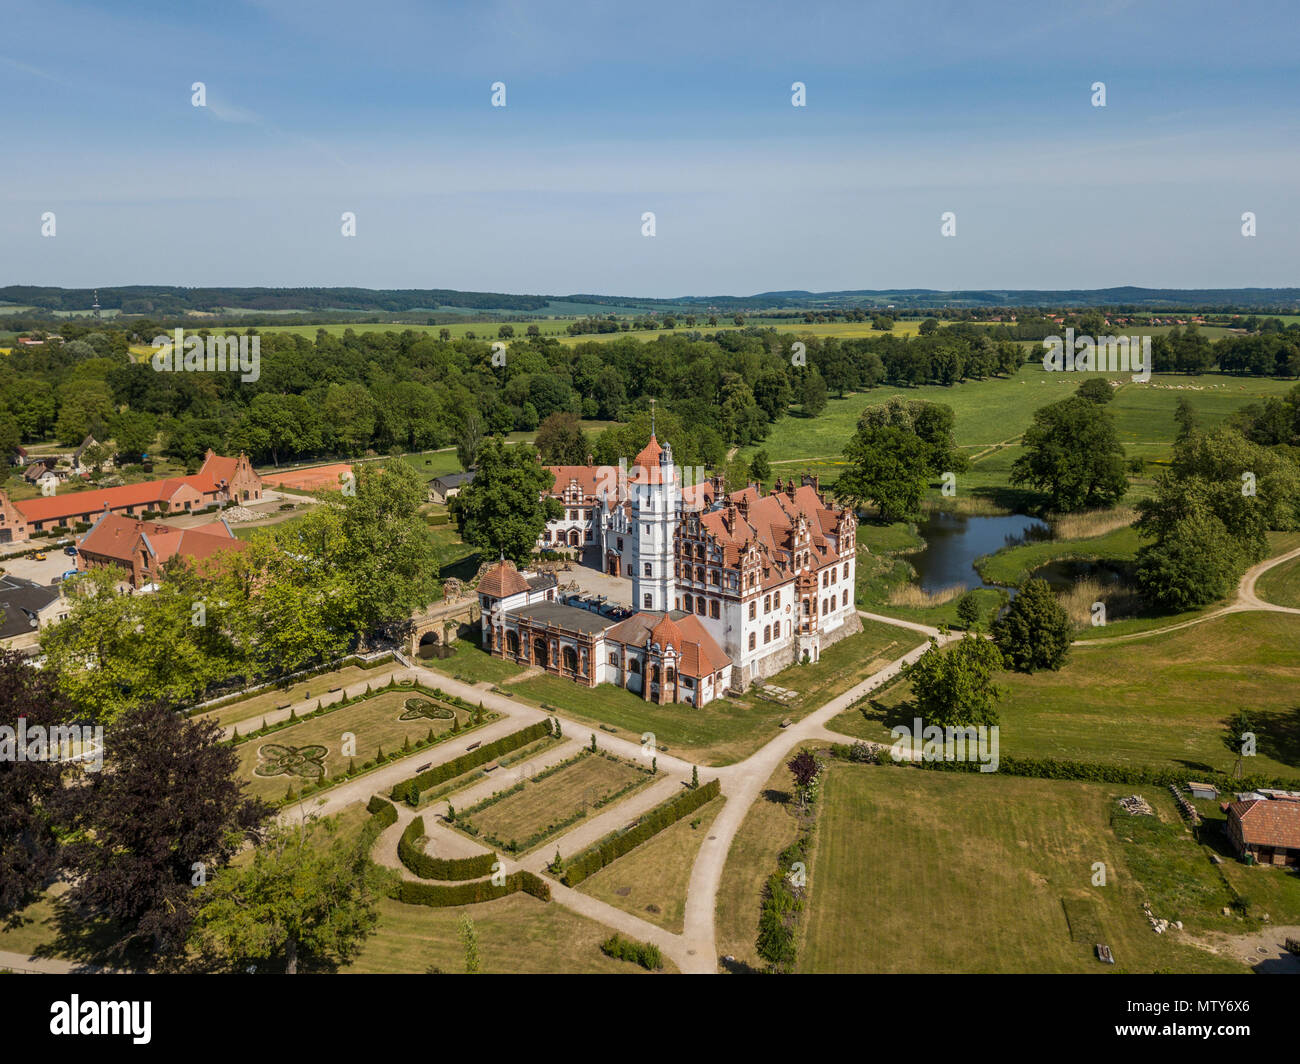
{"points": [[656, 496]]}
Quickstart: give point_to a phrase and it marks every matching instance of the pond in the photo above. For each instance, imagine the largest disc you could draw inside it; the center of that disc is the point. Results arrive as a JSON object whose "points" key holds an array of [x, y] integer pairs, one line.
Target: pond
{"points": [[1065, 575], [954, 541]]}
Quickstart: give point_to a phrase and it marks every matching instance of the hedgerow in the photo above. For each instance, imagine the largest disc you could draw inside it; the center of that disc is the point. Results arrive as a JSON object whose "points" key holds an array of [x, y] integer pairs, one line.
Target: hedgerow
{"points": [[409, 790], [427, 867], [664, 815], [440, 895]]}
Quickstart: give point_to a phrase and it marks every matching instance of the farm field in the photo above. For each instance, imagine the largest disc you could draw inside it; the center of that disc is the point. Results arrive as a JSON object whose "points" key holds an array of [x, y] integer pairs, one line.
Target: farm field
{"points": [[917, 871], [577, 787], [650, 882], [376, 723], [1162, 700], [728, 730]]}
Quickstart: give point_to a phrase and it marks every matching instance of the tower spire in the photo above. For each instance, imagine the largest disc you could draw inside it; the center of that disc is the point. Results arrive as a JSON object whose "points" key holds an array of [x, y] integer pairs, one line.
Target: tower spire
{"points": [[652, 417]]}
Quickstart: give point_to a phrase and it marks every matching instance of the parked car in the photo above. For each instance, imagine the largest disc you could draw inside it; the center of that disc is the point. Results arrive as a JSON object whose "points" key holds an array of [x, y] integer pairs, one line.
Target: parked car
{"points": [[70, 574], [71, 552], [39, 556]]}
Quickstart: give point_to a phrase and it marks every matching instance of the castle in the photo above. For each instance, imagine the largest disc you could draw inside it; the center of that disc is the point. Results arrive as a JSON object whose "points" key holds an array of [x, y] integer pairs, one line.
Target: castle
{"points": [[726, 588]]}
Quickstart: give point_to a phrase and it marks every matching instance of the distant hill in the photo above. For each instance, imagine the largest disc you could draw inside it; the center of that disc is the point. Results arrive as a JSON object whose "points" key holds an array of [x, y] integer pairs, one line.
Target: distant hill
{"points": [[164, 300]]}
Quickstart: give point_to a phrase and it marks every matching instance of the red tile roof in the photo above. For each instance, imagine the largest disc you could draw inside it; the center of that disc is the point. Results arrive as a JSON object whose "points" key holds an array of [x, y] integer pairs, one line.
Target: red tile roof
{"points": [[502, 581], [1268, 823], [208, 481], [120, 538]]}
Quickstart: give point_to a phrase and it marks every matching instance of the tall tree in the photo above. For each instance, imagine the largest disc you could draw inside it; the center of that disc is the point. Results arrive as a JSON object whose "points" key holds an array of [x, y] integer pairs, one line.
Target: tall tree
{"points": [[167, 810], [1073, 455], [30, 790], [561, 441], [308, 891], [503, 512], [1034, 633], [954, 685]]}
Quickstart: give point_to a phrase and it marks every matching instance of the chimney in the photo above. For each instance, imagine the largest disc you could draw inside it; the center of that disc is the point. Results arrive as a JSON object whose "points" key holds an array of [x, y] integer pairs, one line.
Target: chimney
{"points": [[591, 459], [789, 487]]}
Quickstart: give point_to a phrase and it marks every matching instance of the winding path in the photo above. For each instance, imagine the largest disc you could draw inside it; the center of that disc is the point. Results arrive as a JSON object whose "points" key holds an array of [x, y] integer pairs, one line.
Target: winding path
{"points": [[1245, 600]]}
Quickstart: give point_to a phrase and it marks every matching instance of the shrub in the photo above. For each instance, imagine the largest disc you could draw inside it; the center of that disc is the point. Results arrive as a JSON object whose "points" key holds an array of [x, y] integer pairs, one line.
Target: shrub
{"points": [[438, 895], [427, 867], [645, 954], [664, 815], [409, 790]]}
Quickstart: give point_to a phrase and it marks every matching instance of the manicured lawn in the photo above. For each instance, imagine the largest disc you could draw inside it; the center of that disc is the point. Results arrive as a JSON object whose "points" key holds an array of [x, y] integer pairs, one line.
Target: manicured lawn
{"points": [[651, 881], [472, 664], [313, 687], [1281, 584], [375, 723], [516, 934], [768, 829], [552, 800], [917, 871], [726, 730], [1163, 700]]}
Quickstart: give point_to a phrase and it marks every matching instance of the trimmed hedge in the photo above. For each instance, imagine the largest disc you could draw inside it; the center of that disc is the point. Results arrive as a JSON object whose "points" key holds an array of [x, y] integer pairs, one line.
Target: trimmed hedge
{"points": [[409, 790], [438, 895], [664, 815], [1050, 768], [645, 954], [427, 867], [383, 815]]}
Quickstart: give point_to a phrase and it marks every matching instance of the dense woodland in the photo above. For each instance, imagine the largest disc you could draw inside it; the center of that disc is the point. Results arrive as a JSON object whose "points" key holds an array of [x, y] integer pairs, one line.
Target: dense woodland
{"points": [[410, 391]]}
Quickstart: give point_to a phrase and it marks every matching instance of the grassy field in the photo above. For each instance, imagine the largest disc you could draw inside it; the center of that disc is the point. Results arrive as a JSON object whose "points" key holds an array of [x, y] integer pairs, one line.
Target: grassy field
{"points": [[518, 934], [313, 687], [375, 722], [550, 801], [921, 872], [1162, 700], [651, 881], [1281, 584], [768, 828], [472, 664], [557, 328], [998, 410], [727, 729]]}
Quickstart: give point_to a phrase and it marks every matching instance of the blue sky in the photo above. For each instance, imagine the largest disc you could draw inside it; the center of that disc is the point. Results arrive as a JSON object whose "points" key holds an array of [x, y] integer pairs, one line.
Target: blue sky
{"points": [[382, 108]]}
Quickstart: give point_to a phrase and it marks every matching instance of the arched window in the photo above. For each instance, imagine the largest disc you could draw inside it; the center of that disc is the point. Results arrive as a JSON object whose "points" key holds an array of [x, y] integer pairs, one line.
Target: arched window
{"points": [[699, 605], [648, 601], [713, 608], [635, 667], [648, 570], [767, 633], [569, 657], [753, 640], [670, 675]]}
